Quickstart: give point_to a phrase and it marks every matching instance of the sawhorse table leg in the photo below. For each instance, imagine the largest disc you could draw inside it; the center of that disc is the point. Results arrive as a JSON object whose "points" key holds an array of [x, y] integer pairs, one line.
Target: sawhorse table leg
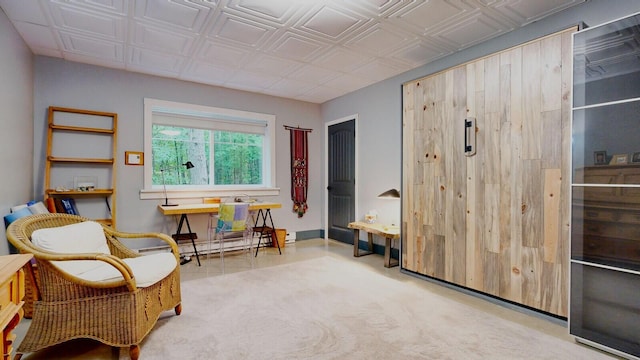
{"points": [[185, 219], [261, 218]]}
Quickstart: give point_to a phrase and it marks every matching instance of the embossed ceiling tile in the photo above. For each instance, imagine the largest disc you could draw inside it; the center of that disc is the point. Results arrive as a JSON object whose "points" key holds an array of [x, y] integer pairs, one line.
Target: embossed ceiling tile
{"points": [[381, 40], [319, 94], [92, 60], [471, 30], [383, 8], [381, 69], [527, 11], [154, 61], [290, 88], [279, 12], [426, 15], [182, 14], [157, 38], [272, 65], [297, 47], [419, 53], [348, 82], [26, 10], [216, 53], [341, 59], [110, 27], [252, 81], [55, 53], [92, 47], [202, 72], [241, 31], [330, 23], [39, 37], [314, 74], [115, 6], [316, 39]]}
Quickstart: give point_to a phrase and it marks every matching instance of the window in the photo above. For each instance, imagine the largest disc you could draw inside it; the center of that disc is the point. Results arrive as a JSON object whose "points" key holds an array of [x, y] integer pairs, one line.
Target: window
{"points": [[203, 150]]}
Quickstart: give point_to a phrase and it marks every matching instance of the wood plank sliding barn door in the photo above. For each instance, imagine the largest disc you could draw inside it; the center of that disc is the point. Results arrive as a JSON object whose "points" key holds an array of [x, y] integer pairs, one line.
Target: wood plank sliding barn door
{"points": [[497, 221]]}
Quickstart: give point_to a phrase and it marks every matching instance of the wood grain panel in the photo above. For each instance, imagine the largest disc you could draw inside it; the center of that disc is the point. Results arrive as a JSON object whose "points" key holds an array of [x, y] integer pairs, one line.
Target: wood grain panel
{"points": [[458, 174], [492, 217], [531, 277], [516, 111], [551, 73], [552, 141], [552, 191], [496, 222], [408, 168], [492, 83], [562, 264], [506, 191], [531, 89], [473, 263], [532, 220]]}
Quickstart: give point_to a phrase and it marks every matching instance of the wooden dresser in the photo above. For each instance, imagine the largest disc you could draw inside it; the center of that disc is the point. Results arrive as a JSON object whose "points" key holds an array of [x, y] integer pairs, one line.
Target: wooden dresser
{"points": [[12, 291], [606, 219]]}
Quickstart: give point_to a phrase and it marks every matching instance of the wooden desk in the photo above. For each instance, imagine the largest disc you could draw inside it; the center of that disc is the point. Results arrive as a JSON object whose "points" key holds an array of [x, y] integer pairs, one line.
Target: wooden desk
{"points": [[210, 208], [389, 233], [263, 208], [12, 293]]}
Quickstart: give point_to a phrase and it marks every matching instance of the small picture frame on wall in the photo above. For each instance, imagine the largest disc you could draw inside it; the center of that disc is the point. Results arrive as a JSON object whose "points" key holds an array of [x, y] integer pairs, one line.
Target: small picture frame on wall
{"points": [[619, 159], [636, 157], [600, 157], [133, 158]]}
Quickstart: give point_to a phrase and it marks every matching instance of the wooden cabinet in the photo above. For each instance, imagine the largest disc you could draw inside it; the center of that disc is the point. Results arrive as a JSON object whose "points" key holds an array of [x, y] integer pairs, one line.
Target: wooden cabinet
{"points": [[605, 220], [12, 293], [80, 163], [497, 221]]}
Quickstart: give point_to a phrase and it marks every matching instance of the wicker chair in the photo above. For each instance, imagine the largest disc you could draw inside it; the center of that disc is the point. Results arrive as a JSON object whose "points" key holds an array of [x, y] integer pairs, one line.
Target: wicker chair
{"points": [[115, 312]]}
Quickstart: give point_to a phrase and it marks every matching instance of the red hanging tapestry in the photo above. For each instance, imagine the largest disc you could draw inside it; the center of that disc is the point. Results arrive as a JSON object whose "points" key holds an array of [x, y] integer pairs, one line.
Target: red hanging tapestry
{"points": [[299, 168]]}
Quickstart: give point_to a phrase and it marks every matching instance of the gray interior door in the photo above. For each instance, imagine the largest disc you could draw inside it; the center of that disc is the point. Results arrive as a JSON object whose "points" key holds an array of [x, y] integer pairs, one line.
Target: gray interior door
{"points": [[341, 180]]}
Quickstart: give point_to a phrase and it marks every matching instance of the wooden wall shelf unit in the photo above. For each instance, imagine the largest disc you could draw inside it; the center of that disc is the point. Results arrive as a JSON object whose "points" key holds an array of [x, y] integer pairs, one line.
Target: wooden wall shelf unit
{"points": [[80, 143]]}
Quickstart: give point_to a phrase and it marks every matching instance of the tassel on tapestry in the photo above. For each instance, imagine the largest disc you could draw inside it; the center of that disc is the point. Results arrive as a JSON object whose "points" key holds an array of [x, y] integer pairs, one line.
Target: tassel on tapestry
{"points": [[299, 168]]}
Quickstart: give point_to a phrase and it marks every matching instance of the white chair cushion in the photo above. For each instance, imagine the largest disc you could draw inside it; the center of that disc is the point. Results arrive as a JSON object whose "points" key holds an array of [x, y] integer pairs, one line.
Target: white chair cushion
{"points": [[83, 237], [147, 270]]}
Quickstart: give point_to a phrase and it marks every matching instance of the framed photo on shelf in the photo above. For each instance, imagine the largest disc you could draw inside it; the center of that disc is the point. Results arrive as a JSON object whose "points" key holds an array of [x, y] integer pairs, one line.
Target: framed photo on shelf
{"points": [[600, 157], [85, 183], [636, 157], [619, 159]]}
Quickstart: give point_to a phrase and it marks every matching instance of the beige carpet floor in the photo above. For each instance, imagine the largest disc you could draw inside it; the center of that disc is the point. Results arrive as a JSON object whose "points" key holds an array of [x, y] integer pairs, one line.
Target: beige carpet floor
{"points": [[326, 308]]}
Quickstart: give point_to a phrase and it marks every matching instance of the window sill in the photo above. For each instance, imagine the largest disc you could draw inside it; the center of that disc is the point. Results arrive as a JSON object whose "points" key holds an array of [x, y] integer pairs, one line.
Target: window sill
{"points": [[154, 194]]}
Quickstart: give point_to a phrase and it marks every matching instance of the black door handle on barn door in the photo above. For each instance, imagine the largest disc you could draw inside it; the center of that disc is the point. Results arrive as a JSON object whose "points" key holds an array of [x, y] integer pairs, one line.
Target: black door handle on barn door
{"points": [[469, 136]]}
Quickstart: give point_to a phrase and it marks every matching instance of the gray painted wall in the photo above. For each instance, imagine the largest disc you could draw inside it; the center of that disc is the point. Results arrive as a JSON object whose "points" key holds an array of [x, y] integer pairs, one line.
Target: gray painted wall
{"points": [[16, 102], [67, 84], [379, 106]]}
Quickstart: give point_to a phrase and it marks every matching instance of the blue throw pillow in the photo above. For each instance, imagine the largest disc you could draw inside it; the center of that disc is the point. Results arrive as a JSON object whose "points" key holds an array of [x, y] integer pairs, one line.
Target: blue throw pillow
{"points": [[8, 219]]}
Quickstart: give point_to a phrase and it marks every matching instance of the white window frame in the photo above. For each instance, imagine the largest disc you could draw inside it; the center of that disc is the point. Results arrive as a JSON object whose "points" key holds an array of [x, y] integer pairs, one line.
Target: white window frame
{"points": [[208, 113]]}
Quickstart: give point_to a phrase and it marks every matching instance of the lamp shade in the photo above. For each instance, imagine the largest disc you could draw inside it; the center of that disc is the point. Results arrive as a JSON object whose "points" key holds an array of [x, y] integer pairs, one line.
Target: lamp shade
{"points": [[189, 165], [391, 193]]}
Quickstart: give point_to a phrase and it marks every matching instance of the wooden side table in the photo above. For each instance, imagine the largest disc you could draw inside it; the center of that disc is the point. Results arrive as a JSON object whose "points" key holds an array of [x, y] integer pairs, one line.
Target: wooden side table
{"points": [[12, 293], [389, 233]]}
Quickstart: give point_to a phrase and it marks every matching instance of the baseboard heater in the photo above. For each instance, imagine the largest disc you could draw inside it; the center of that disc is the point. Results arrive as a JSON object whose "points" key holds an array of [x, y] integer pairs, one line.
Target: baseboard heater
{"points": [[231, 242]]}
